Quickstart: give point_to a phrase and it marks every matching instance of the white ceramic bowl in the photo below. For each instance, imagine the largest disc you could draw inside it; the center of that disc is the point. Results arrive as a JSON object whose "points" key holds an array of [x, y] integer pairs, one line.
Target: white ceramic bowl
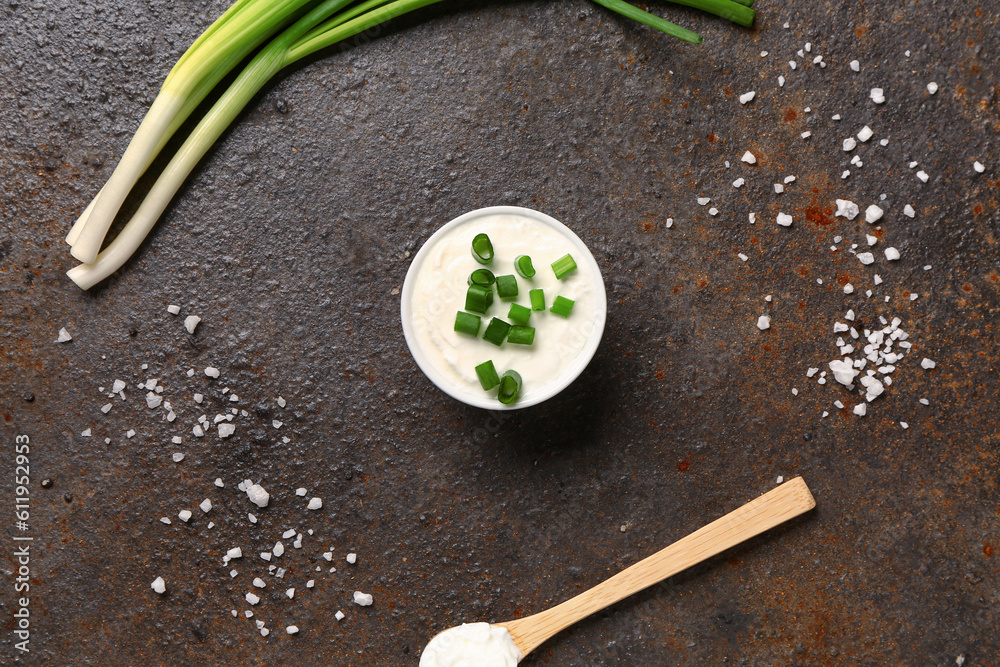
{"points": [[477, 397]]}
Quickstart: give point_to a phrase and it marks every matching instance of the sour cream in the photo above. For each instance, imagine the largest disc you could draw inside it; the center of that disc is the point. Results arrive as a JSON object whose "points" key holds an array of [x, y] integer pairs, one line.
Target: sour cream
{"points": [[471, 645], [435, 291]]}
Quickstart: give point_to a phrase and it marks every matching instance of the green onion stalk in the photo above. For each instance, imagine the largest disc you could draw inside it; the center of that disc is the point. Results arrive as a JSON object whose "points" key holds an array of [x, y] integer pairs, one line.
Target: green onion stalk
{"points": [[239, 32], [227, 42]]}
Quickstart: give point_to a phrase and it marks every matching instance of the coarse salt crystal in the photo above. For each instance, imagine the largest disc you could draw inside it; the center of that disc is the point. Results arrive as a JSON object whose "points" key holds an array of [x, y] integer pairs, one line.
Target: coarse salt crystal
{"points": [[212, 372], [846, 209], [848, 288], [130, 434], [932, 87], [866, 258], [64, 336], [174, 310], [865, 134], [278, 549], [339, 615], [290, 593], [781, 81], [177, 457], [792, 64], [978, 167], [738, 183], [806, 134], [702, 201], [878, 95], [258, 496], [922, 175], [165, 519], [861, 409], [191, 323], [873, 214], [746, 97], [258, 582], [252, 599], [927, 364], [315, 503], [352, 558], [891, 254], [159, 585], [742, 257], [753, 218], [749, 158], [184, 515], [85, 433], [849, 144], [206, 505], [844, 372], [106, 408], [362, 599], [711, 211], [779, 188], [784, 220], [872, 240]]}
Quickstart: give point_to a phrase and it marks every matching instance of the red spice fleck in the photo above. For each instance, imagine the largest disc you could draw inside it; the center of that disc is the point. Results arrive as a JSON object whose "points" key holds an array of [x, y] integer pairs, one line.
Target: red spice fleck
{"points": [[711, 137], [702, 283], [967, 287], [790, 115], [987, 549], [682, 465], [977, 209], [819, 216]]}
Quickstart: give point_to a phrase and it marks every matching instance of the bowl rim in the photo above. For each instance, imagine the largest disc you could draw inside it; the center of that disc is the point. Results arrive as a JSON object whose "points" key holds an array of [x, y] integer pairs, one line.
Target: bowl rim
{"points": [[485, 401]]}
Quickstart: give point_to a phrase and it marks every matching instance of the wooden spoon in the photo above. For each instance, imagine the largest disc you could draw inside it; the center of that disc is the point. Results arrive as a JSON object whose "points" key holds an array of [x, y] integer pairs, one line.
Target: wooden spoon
{"points": [[785, 502]]}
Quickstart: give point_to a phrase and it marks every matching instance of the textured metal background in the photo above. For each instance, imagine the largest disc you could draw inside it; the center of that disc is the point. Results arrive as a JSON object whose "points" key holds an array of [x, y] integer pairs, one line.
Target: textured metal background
{"points": [[292, 239]]}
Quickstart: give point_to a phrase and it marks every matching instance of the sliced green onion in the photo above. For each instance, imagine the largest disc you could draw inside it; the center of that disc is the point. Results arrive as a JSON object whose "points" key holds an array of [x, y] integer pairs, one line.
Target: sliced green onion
{"points": [[537, 297], [487, 374], [510, 387], [564, 266], [521, 335], [482, 249], [523, 266], [478, 299], [562, 306], [467, 323], [496, 331], [507, 287], [518, 314], [482, 277]]}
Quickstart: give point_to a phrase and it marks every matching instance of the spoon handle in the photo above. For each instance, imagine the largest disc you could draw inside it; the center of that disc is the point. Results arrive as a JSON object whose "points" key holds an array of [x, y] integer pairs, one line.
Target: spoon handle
{"points": [[777, 506]]}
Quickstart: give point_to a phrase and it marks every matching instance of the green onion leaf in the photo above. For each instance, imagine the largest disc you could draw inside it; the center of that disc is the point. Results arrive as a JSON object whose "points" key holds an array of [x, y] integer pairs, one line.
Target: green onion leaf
{"points": [[523, 266], [478, 299], [537, 297], [507, 287], [467, 323], [482, 277], [562, 306], [564, 266], [482, 249], [487, 374], [518, 314], [496, 331], [521, 335], [510, 387]]}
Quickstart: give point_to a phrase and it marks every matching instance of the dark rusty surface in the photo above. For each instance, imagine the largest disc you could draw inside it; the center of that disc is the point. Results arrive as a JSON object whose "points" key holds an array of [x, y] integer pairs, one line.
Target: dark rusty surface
{"points": [[292, 239]]}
